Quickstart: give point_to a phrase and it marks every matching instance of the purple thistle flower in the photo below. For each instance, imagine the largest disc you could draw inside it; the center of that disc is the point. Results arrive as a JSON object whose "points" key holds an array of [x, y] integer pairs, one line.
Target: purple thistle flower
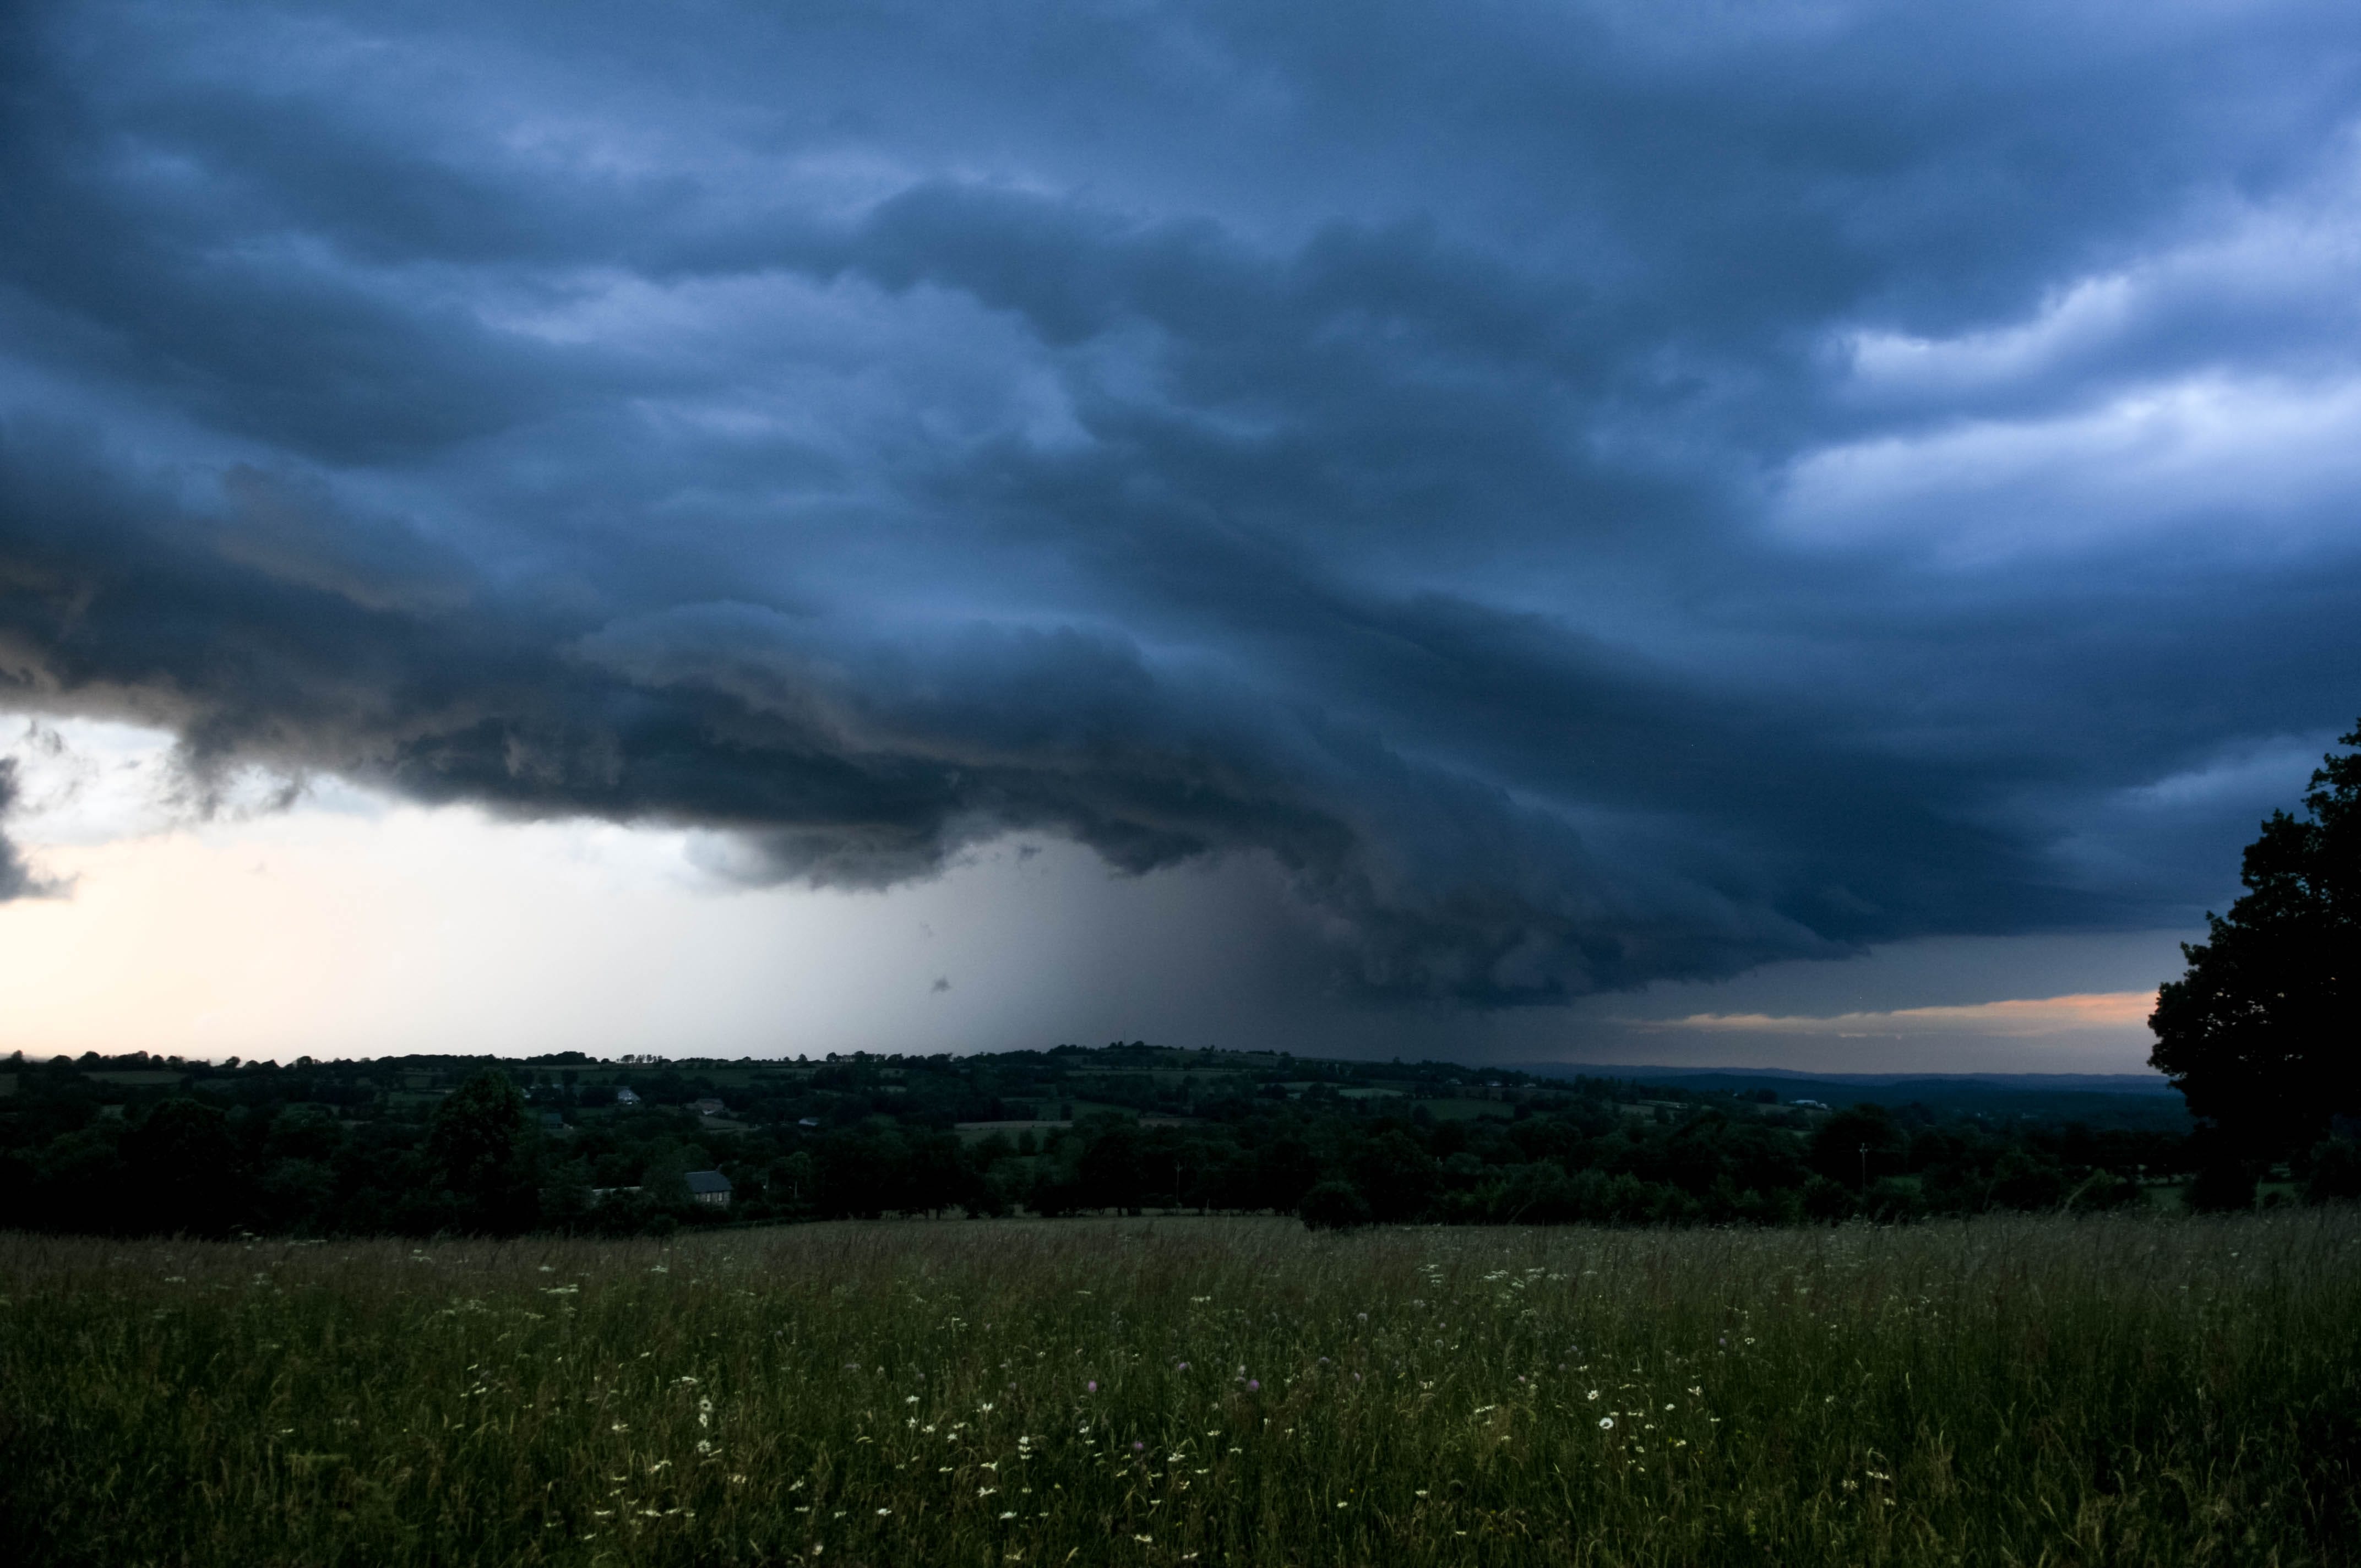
{"points": [[1091, 1386], [1254, 1384]]}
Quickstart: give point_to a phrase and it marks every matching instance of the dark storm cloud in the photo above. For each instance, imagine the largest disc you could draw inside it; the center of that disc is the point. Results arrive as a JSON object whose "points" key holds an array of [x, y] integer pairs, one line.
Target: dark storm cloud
{"points": [[17, 878], [1597, 494]]}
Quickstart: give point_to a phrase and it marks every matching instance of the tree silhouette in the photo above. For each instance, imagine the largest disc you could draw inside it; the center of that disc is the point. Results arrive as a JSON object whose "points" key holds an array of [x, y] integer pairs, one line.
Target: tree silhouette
{"points": [[475, 1146], [2259, 1034]]}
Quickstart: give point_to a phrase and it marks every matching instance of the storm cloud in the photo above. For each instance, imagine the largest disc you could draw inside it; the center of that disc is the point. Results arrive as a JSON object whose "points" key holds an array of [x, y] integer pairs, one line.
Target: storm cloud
{"points": [[1595, 494]]}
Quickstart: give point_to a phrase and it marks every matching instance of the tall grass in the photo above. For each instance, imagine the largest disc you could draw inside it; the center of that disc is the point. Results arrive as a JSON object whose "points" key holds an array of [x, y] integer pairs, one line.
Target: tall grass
{"points": [[2005, 1390]]}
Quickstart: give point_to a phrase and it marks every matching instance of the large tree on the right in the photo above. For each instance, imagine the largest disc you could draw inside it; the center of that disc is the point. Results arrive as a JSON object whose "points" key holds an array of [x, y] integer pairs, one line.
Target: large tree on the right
{"points": [[2260, 1033]]}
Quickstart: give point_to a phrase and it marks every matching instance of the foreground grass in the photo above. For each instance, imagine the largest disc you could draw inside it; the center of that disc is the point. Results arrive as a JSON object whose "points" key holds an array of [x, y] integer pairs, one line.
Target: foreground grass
{"points": [[2005, 1390]]}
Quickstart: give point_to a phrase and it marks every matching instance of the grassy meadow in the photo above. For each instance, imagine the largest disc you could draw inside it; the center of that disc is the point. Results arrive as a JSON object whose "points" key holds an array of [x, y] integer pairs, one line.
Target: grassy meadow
{"points": [[2105, 1390]]}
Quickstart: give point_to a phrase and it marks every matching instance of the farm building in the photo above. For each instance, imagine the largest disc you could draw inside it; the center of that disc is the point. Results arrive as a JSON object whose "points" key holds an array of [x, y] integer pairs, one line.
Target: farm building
{"points": [[710, 1188]]}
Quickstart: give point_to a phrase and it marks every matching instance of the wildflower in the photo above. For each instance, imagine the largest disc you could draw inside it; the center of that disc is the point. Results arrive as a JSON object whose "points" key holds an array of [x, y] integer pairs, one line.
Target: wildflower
{"points": [[1009, 1515], [1145, 1539], [1254, 1384], [1139, 1448], [1606, 1423], [909, 1399], [1594, 1393], [1091, 1386], [619, 1426]]}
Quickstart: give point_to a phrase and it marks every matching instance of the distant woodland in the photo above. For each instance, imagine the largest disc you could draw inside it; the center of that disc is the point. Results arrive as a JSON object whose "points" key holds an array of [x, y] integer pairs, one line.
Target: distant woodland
{"points": [[566, 1143]]}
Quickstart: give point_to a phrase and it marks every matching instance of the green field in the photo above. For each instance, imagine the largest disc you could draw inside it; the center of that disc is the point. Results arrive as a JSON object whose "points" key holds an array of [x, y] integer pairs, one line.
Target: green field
{"points": [[2110, 1390]]}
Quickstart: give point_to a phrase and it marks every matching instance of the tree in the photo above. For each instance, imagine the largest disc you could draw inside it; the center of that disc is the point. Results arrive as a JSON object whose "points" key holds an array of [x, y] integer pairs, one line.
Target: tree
{"points": [[1855, 1144], [1334, 1206], [2259, 1032], [184, 1166], [476, 1147]]}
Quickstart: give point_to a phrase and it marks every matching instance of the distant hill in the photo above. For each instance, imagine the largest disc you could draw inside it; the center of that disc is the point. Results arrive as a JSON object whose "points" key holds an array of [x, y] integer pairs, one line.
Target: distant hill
{"points": [[1757, 1076], [2102, 1100]]}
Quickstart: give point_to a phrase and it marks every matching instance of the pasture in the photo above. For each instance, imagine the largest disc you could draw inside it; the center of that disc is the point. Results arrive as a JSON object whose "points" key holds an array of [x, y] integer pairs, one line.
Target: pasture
{"points": [[2007, 1389]]}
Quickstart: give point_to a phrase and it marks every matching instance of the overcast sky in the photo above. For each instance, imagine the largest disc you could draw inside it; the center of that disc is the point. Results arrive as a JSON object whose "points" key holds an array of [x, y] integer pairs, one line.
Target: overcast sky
{"points": [[1804, 534]]}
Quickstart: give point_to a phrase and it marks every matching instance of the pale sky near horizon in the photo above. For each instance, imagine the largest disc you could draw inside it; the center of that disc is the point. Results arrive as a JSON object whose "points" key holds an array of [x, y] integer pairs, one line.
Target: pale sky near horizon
{"points": [[1804, 533], [353, 924]]}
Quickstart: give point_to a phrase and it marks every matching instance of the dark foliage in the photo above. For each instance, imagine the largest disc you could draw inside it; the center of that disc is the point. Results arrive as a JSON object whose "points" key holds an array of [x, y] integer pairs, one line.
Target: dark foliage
{"points": [[2261, 1033], [1334, 1206], [420, 1145]]}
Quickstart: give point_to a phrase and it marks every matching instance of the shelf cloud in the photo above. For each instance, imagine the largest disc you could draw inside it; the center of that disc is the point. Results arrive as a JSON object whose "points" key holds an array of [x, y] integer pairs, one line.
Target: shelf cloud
{"points": [[1593, 494]]}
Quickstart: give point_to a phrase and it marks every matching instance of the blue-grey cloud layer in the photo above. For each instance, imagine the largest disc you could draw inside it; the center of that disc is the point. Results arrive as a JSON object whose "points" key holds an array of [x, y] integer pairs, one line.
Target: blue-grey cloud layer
{"points": [[1599, 493]]}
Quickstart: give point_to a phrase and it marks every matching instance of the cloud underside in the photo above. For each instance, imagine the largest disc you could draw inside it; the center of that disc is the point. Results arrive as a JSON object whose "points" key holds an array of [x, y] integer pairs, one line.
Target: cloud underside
{"points": [[2019, 1017], [1638, 507], [17, 878], [842, 759]]}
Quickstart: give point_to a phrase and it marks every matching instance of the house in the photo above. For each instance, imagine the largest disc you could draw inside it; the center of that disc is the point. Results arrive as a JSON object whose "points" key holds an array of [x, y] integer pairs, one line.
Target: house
{"points": [[1809, 1104], [709, 1106], [626, 1099], [710, 1188], [551, 1122], [806, 1121]]}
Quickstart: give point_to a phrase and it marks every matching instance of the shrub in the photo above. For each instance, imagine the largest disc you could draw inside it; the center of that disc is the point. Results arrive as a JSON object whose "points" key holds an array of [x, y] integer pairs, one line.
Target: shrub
{"points": [[2336, 1171], [1334, 1206], [2222, 1187]]}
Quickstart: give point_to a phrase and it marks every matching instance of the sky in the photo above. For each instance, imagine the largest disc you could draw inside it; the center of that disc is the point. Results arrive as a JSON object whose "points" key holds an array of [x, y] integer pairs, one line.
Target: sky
{"points": [[1781, 534]]}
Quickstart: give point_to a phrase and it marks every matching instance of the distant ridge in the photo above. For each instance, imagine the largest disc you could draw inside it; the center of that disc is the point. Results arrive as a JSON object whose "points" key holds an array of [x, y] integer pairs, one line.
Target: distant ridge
{"points": [[1753, 1077]]}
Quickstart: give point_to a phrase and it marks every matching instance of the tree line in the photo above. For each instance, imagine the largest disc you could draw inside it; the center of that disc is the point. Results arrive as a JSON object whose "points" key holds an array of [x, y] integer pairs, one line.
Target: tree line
{"points": [[481, 1158]]}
